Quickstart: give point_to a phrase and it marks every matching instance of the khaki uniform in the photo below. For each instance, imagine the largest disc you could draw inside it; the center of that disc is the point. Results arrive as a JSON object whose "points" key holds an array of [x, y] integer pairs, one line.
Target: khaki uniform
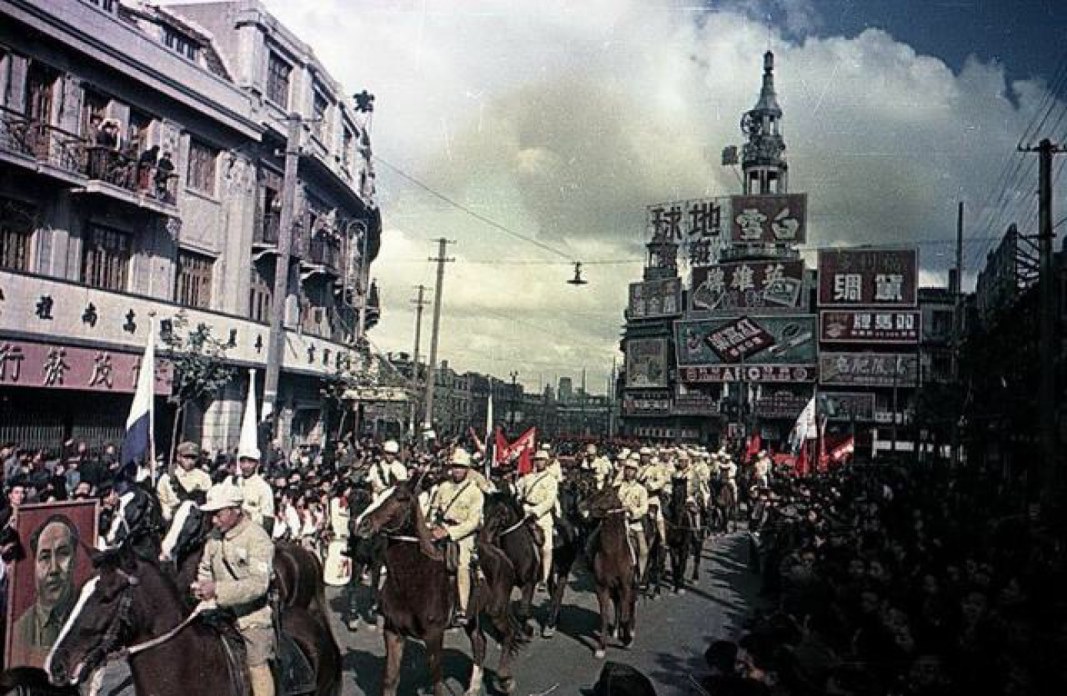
{"points": [[654, 477], [697, 491], [485, 485], [634, 499], [602, 471], [555, 469], [240, 563], [192, 481], [458, 508], [703, 473], [259, 498], [385, 474], [538, 492]]}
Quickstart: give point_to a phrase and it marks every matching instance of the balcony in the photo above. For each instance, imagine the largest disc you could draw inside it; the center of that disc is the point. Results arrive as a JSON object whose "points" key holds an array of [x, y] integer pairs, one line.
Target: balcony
{"points": [[45, 148], [266, 231], [323, 255], [105, 166]]}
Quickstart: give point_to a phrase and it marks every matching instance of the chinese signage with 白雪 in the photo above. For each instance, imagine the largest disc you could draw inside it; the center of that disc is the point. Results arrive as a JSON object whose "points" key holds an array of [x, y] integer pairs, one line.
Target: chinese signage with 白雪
{"points": [[768, 219]]}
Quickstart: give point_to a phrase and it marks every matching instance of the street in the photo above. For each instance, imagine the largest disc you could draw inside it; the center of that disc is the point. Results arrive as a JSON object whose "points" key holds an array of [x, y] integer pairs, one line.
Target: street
{"points": [[672, 634]]}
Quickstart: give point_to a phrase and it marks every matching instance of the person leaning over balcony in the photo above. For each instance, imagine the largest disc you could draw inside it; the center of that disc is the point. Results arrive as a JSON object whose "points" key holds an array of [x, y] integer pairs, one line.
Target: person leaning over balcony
{"points": [[164, 172]]}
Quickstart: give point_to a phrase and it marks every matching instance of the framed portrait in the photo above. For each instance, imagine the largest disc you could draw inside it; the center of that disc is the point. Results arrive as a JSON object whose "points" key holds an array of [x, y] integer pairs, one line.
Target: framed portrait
{"points": [[43, 587]]}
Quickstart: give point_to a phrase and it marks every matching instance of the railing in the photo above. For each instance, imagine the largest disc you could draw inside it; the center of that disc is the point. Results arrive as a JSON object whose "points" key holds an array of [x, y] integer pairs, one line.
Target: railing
{"points": [[325, 251], [41, 141], [103, 163]]}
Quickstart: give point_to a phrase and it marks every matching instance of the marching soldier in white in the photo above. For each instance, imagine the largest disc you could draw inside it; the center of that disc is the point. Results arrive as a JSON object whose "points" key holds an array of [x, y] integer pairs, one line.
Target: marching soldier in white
{"points": [[387, 471], [538, 493], [762, 469], [186, 480], [654, 478], [634, 500], [703, 474], [455, 512], [696, 489]]}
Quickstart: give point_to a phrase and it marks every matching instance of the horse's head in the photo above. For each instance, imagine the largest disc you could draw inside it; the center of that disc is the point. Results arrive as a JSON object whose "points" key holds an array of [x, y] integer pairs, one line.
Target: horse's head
{"points": [[601, 503], [101, 619], [500, 510], [359, 499], [394, 512], [138, 518], [188, 531]]}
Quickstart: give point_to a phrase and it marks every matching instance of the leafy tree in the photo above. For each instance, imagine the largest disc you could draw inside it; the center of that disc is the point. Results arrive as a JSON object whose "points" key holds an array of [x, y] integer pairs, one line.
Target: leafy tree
{"points": [[200, 369]]}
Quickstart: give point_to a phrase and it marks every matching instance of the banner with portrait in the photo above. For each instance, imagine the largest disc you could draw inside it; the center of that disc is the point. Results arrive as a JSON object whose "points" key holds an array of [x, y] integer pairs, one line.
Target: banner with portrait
{"points": [[44, 585]]}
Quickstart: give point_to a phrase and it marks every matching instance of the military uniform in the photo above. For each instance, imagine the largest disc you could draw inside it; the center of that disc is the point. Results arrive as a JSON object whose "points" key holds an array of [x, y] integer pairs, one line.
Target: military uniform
{"points": [[240, 563], [179, 486], [654, 478], [485, 485], [258, 498], [538, 492], [383, 475], [602, 471], [634, 500], [458, 508]]}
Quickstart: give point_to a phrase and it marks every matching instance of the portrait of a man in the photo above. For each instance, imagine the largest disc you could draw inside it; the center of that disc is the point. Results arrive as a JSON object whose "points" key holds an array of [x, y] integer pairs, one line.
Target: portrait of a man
{"points": [[46, 582]]}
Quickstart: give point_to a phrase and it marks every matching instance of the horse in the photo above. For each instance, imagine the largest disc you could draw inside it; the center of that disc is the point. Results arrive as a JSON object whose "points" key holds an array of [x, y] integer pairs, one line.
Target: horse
{"points": [[368, 557], [683, 534], [137, 522], [417, 597], [723, 510], [297, 571], [614, 567], [131, 606], [505, 527]]}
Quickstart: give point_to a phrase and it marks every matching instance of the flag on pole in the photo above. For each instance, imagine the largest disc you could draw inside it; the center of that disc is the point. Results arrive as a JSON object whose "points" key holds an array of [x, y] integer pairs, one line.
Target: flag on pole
{"points": [[524, 447], [823, 463], [489, 434], [802, 466], [248, 446], [137, 443], [501, 449], [804, 429]]}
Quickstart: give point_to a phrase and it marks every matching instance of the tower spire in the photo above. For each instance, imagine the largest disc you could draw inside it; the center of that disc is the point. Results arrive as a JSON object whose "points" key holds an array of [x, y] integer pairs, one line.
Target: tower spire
{"points": [[762, 160]]}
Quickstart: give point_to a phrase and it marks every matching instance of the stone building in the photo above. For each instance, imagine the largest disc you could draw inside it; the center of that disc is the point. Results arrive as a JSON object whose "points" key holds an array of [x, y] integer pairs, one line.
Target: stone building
{"points": [[141, 174]]}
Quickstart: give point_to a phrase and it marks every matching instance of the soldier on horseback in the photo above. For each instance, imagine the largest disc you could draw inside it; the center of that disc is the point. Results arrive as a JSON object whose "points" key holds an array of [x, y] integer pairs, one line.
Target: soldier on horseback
{"points": [[187, 481], [235, 571], [634, 499], [696, 488], [653, 476], [258, 497], [599, 466], [538, 492], [455, 514], [388, 470]]}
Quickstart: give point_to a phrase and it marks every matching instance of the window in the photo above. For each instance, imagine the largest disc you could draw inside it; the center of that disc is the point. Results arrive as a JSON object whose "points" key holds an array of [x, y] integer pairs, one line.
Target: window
{"points": [[94, 107], [201, 174], [105, 258], [259, 293], [105, 5], [194, 280], [140, 125], [278, 80], [16, 232], [179, 43], [40, 85], [318, 125]]}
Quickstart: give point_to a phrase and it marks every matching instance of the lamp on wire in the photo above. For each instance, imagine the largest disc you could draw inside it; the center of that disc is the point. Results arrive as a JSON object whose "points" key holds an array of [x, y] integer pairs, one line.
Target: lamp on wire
{"points": [[577, 279]]}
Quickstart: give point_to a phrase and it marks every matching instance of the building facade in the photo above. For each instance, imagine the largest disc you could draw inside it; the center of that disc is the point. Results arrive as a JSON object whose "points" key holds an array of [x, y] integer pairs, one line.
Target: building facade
{"points": [[140, 178]]}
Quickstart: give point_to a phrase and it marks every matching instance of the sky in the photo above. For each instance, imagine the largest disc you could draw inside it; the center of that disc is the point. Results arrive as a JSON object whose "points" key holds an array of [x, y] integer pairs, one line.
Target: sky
{"points": [[499, 122]]}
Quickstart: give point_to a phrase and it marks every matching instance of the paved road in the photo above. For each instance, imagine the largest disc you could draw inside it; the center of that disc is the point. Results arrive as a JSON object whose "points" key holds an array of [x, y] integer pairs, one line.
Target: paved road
{"points": [[672, 634]]}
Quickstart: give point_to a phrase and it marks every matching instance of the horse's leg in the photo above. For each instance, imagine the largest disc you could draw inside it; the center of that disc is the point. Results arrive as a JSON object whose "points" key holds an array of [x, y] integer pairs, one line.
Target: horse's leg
{"points": [[394, 653], [434, 641], [604, 601], [629, 602], [525, 606], [477, 638], [557, 585], [375, 595], [505, 624]]}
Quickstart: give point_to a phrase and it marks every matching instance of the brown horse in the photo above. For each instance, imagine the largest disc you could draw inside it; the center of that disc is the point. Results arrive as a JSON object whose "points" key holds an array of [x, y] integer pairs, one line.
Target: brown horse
{"points": [[684, 534], [131, 606], [417, 598], [613, 568]]}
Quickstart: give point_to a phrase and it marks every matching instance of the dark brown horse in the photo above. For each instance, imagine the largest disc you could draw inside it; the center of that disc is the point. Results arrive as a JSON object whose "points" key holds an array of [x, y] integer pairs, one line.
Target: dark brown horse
{"points": [[506, 528], [297, 571], [613, 568], [368, 558], [418, 595], [131, 605], [684, 533]]}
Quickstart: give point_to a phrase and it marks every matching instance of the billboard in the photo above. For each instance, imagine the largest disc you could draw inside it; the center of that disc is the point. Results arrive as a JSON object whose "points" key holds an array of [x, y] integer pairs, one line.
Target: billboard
{"points": [[769, 219], [655, 298], [869, 369], [57, 366], [682, 221], [845, 406], [868, 277], [870, 326], [750, 373], [780, 403], [649, 404], [646, 363], [762, 286], [761, 340]]}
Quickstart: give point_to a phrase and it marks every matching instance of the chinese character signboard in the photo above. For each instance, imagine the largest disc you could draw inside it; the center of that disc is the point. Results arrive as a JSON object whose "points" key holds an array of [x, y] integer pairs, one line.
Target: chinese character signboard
{"points": [[845, 406], [655, 298], [695, 404], [685, 221], [646, 363], [27, 364], [652, 404], [768, 219], [750, 373], [868, 277], [748, 286], [869, 369], [781, 403], [706, 346], [870, 326]]}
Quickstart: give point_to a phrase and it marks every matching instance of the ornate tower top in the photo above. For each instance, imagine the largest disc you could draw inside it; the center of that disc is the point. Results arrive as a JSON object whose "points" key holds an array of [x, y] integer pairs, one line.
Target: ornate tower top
{"points": [[765, 168]]}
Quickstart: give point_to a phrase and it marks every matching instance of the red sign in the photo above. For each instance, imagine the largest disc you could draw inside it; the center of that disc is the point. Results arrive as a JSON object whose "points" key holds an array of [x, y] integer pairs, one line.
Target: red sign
{"points": [[750, 373], [747, 285], [863, 326], [739, 339], [769, 219], [868, 277], [25, 364]]}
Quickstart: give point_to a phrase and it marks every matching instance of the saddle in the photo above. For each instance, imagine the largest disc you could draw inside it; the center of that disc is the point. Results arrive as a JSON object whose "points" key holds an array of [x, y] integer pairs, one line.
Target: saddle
{"points": [[293, 672]]}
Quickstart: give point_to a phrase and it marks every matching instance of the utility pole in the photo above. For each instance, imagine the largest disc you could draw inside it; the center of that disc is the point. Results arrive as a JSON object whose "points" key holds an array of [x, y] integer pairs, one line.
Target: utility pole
{"points": [[441, 259], [514, 393], [419, 303], [276, 337], [1047, 317], [957, 337]]}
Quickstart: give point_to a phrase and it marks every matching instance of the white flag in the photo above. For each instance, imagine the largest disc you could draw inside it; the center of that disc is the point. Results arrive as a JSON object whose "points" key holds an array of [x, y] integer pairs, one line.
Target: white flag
{"points": [[805, 427]]}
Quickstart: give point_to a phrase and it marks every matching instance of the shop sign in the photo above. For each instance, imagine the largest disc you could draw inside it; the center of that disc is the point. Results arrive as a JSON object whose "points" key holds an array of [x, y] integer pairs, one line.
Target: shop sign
{"points": [[845, 406], [655, 298], [869, 369], [695, 405], [657, 403], [750, 373], [870, 326], [781, 404], [54, 366], [769, 219], [756, 340], [646, 363], [868, 277], [760, 286]]}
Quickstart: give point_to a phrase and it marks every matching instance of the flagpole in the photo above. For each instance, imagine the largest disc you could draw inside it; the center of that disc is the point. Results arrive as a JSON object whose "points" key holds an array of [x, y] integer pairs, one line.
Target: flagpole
{"points": [[152, 399]]}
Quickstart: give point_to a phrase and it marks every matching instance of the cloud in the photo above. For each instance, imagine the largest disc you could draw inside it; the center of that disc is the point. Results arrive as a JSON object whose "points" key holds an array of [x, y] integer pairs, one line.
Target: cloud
{"points": [[562, 120]]}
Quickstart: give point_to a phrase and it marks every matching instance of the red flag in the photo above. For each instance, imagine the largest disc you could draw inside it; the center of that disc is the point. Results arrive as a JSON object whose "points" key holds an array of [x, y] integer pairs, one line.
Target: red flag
{"points": [[502, 449], [755, 444], [843, 451], [802, 467], [524, 446]]}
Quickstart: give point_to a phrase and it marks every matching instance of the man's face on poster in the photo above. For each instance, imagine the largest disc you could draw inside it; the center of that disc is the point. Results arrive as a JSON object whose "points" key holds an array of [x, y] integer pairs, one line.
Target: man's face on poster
{"points": [[54, 564]]}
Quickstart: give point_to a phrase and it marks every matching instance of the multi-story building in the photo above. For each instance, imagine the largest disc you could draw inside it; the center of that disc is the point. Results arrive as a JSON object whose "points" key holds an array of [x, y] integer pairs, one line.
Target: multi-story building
{"points": [[140, 174]]}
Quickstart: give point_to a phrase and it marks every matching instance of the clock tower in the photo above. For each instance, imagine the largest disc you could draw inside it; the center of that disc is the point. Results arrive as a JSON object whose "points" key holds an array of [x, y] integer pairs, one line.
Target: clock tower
{"points": [[762, 161]]}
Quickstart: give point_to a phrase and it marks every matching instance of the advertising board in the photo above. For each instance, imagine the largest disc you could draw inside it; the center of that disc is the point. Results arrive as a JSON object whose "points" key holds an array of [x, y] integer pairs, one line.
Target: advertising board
{"points": [[769, 219], [869, 369], [868, 277], [845, 406], [760, 286], [870, 326], [755, 340], [646, 363], [655, 298]]}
